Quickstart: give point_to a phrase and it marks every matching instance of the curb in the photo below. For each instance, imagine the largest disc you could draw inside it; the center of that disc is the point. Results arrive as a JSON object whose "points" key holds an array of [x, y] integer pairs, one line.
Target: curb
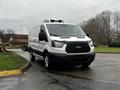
{"points": [[15, 72], [26, 67], [10, 73]]}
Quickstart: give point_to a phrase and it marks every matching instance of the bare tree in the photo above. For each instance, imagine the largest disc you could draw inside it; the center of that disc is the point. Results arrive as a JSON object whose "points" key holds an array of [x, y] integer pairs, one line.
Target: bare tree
{"points": [[1, 35], [106, 25], [117, 21], [10, 31], [100, 27]]}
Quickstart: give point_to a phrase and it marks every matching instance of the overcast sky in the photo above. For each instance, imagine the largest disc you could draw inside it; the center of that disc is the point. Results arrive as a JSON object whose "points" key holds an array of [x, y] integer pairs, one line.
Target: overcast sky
{"points": [[71, 10]]}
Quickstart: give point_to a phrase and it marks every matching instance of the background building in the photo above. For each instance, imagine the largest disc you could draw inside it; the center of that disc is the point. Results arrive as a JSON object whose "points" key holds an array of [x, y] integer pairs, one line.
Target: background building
{"points": [[15, 39]]}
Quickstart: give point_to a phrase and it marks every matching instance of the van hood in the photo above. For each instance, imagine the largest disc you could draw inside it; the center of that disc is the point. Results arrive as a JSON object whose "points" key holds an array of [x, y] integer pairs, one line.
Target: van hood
{"points": [[70, 38]]}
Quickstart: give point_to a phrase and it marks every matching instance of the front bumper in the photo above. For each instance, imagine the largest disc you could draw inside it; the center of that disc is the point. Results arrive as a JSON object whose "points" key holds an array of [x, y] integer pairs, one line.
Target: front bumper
{"points": [[58, 58]]}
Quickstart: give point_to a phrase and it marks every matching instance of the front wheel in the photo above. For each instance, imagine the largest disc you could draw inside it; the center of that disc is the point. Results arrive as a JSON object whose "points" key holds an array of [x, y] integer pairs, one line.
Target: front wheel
{"points": [[47, 62], [86, 65]]}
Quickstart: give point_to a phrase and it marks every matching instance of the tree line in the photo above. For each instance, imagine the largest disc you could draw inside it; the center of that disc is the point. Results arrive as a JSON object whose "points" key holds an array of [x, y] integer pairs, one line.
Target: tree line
{"points": [[104, 28]]}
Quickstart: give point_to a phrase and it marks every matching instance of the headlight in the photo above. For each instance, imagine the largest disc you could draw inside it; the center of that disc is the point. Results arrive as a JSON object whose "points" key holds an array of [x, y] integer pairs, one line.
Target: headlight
{"points": [[57, 44], [91, 43]]}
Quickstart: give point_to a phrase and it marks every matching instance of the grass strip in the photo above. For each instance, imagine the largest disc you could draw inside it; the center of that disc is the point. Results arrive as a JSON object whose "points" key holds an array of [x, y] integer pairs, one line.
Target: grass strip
{"points": [[11, 61], [103, 49]]}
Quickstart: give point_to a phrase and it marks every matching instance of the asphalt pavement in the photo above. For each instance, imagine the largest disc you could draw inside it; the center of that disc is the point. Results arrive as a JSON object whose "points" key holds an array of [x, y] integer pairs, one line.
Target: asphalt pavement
{"points": [[103, 74]]}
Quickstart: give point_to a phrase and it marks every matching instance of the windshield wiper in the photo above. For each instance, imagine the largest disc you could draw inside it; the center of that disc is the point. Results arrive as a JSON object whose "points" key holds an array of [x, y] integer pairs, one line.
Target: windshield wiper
{"points": [[53, 34], [81, 36], [64, 36]]}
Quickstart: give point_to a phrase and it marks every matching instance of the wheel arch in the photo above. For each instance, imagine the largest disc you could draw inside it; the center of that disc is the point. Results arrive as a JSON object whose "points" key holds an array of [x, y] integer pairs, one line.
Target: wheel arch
{"points": [[45, 52], [29, 49]]}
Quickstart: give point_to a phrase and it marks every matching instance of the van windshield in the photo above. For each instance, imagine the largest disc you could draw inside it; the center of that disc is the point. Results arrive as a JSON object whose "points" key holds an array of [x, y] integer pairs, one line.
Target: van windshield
{"points": [[65, 30]]}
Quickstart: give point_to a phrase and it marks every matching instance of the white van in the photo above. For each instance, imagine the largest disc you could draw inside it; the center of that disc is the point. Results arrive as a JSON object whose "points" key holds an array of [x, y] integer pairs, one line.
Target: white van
{"points": [[60, 43]]}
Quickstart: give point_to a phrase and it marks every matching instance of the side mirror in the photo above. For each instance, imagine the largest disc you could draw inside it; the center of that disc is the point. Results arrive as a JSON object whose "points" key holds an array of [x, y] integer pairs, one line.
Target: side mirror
{"points": [[42, 36]]}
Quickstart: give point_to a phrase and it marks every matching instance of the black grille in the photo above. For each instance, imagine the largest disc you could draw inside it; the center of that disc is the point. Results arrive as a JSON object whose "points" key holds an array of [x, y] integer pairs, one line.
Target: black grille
{"points": [[77, 47]]}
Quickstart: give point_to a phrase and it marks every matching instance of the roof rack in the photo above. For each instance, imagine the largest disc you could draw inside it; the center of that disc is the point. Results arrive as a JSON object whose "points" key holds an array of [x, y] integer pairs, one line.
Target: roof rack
{"points": [[53, 21]]}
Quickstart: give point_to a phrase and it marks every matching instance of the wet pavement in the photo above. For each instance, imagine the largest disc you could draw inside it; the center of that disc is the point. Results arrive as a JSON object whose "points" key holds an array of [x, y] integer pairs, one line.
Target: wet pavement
{"points": [[105, 68], [103, 74]]}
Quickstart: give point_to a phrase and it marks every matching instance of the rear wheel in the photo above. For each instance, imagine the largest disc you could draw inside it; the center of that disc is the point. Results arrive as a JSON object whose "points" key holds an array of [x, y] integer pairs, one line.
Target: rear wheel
{"points": [[32, 57]]}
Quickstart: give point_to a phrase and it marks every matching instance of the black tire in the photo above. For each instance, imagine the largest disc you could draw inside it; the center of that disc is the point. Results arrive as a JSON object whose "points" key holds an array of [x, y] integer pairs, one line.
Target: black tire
{"points": [[47, 62], [86, 65], [32, 57]]}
